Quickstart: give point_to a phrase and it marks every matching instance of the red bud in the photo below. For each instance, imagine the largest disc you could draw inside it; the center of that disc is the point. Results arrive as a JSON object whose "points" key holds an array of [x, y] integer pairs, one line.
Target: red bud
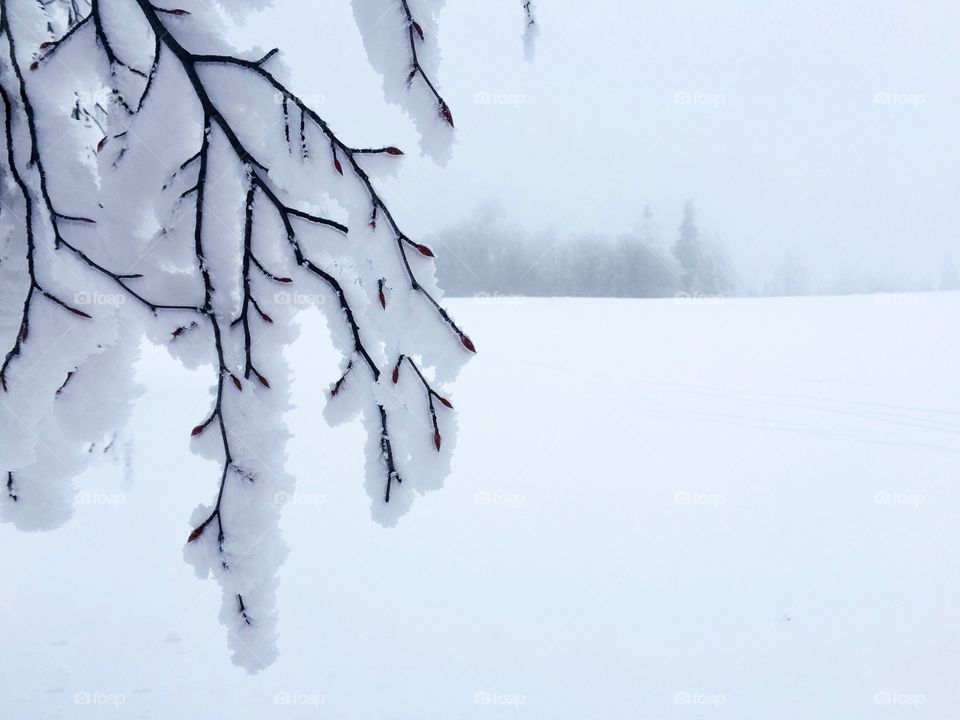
{"points": [[24, 333], [396, 374], [262, 379], [468, 343], [337, 165], [179, 331], [393, 151], [197, 532], [236, 382], [416, 26], [383, 299], [445, 113], [285, 280], [424, 250], [35, 64], [197, 430], [79, 313], [45, 45], [436, 440], [178, 11], [101, 143], [445, 402]]}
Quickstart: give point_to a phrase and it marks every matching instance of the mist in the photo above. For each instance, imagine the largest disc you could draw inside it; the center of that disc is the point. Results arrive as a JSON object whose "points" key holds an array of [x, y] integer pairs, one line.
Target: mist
{"points": [[813, 130]]}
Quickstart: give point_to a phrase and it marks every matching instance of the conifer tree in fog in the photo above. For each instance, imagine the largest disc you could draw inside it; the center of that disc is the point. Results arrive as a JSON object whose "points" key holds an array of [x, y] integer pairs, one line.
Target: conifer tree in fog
{"points": [[688, 251]]}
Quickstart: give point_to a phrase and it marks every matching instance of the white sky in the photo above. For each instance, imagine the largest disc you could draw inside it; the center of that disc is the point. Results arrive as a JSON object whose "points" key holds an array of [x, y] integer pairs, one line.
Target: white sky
{"points": [[798, 154]]}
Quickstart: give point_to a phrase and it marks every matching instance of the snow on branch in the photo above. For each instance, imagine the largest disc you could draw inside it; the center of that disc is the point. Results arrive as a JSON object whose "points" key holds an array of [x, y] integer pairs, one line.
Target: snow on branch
{"points": [[400, 37], [205, 219]]}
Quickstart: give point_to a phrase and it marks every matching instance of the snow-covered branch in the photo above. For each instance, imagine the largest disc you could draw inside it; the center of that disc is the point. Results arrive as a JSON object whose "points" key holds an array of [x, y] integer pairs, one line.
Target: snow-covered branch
{"points": [[208, 249]]}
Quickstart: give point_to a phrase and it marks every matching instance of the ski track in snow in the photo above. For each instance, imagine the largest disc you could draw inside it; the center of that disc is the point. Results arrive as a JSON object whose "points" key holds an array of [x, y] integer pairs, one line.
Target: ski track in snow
{"points": [[745, 509]]}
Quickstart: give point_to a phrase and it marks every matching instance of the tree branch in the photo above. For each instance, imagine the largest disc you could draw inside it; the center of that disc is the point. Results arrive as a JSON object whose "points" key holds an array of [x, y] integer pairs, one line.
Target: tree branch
{"points": [[413, 31], [431, 394], [351, 154]]}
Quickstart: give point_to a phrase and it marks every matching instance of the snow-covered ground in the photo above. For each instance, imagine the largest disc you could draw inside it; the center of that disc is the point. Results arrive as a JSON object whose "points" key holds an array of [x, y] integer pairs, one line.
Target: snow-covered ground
{"points": [[743, 509]]}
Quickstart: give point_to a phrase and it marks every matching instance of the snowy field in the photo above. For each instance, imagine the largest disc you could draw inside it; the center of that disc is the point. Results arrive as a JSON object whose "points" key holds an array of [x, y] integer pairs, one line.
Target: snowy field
{"points": [[739, 509]]}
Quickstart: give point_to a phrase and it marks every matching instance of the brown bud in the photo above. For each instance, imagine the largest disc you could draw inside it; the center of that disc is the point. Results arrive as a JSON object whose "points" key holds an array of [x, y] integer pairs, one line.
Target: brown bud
{"points": [[445, 113]]}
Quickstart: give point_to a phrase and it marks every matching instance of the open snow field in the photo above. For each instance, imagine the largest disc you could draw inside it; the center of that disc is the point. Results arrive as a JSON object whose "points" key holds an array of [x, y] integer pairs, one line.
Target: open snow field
{"points": [[740, 509]]}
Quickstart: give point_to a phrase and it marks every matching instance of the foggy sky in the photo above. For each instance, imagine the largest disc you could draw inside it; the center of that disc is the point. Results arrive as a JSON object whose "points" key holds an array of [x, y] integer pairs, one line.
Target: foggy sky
{"points": [[825, 128]]}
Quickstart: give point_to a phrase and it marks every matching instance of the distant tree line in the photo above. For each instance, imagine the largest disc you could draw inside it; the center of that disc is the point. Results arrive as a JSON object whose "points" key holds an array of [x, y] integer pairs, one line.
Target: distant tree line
{"points": [[486, 255]]}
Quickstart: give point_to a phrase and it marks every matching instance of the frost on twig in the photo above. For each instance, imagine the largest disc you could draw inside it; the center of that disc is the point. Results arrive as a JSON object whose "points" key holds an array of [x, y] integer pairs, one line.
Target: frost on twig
{"points": [[400, 37], [194, 199]]}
